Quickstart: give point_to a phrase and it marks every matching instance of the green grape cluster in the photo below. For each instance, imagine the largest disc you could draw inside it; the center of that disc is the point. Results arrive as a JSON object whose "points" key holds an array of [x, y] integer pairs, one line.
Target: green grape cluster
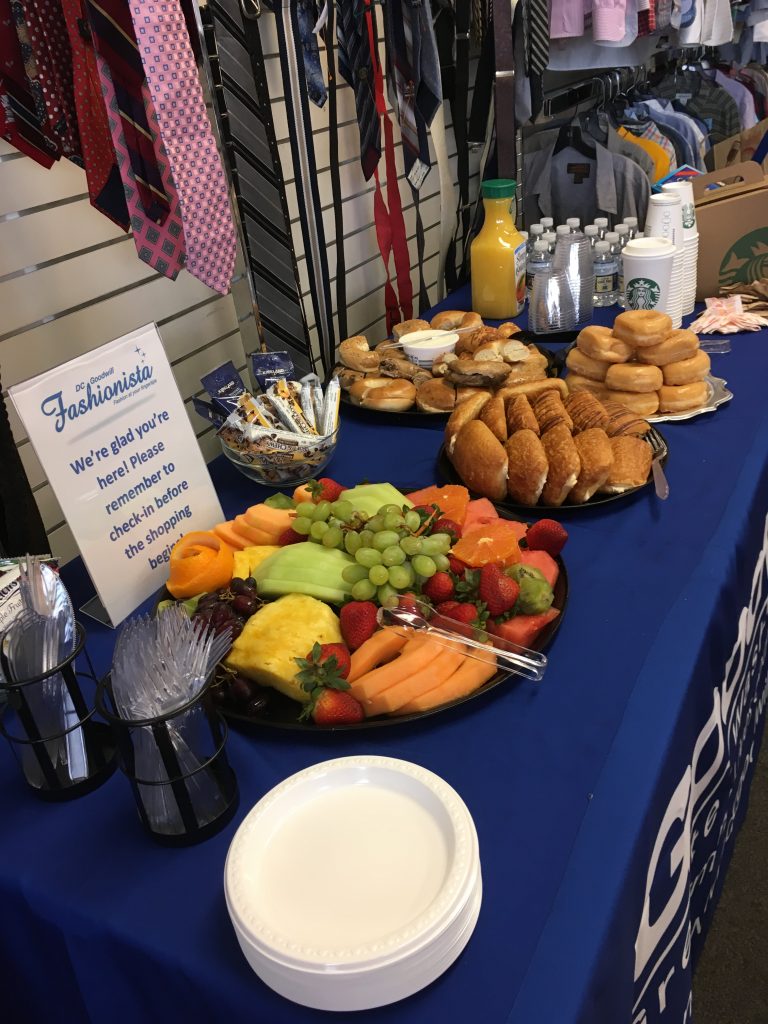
{"points": [[389, 557]]}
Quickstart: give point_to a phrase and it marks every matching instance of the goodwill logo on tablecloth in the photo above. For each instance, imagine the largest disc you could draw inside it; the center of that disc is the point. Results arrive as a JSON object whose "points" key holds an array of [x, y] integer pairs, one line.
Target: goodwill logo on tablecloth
{"points": [[689, 852]]}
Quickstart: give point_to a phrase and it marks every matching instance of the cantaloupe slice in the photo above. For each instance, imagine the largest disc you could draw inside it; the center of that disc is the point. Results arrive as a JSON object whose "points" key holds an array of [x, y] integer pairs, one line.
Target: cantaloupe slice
{"points": [[439, 670], [230, 536], [252, 534], [383, 646], [271, 520], [416, 655], [468, 677]]}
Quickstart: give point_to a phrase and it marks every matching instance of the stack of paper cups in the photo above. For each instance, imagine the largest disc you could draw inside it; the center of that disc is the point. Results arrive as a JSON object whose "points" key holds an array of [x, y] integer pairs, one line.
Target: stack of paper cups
{"points": [[649, 265], [665, 220], [684, 189]]}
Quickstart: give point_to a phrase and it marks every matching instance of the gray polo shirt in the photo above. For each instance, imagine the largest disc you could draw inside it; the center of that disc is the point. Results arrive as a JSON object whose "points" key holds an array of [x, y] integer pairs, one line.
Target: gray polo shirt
{"points": [[568, 184]]}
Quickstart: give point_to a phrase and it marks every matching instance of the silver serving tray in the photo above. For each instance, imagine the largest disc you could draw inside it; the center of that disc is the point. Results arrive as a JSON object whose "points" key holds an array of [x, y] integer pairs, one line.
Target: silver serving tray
{"points": [[718, 395]]}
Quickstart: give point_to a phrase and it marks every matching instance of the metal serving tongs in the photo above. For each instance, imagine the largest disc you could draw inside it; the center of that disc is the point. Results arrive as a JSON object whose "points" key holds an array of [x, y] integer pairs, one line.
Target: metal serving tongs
{"points": [[515, 659]]}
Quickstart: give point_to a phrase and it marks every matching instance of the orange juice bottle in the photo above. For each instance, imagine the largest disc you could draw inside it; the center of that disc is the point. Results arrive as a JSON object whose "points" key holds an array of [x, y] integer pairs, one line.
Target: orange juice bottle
{"points": [[497, 255]]}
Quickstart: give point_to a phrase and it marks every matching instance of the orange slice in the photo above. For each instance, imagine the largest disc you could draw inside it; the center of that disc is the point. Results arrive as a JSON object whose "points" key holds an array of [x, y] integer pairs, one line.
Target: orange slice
{"points": [[200, 563], [451, 499], [496, 542]]}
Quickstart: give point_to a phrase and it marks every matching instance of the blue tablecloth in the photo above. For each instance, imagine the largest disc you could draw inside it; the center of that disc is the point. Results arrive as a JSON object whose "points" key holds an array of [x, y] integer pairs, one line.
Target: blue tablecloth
{"points": [[607, 796]]}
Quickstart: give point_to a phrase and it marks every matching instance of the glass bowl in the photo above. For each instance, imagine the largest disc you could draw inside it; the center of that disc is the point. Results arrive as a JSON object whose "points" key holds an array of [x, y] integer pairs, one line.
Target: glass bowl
{"points": [[279, 469]]}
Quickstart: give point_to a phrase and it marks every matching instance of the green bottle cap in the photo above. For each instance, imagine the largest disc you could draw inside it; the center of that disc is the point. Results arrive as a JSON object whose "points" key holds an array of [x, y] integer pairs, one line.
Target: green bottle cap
{"points": [[499, 188]]}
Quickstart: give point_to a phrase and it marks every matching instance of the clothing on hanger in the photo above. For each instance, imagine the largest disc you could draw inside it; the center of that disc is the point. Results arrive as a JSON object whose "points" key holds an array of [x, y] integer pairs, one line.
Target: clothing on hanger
{"points": [[647, 138], [740, 93], [697, 96], [688, 132]]}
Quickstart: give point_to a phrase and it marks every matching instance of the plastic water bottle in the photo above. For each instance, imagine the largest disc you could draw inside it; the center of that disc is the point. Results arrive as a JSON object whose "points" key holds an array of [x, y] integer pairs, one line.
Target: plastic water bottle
{"points": [[631, 223], [550, 238], [606, 274], [622, 230], [547, 223], [535, 232], [591, 231], [574, 223], [539, 259], [562, 229], [602, 226]]}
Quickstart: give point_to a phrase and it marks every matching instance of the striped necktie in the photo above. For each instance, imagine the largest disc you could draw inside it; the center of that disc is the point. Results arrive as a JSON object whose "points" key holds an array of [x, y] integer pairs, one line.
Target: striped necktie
{"points": [[171, 73], [356, 68], [536, 27], [114, 41]]}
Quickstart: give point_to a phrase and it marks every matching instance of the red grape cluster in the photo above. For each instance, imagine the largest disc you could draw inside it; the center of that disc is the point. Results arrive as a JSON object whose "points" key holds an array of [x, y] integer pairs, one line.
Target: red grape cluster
{"points": [[229, 607]]}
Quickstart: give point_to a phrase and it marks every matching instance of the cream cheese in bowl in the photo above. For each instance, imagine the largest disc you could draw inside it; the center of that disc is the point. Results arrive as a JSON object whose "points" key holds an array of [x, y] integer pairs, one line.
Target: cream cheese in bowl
{"points": [[423, 347]]}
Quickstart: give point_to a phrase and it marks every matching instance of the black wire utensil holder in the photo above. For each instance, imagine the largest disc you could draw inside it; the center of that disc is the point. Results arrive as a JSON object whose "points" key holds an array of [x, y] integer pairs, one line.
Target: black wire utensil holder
{"points": [[199, 801], [40, 753]]}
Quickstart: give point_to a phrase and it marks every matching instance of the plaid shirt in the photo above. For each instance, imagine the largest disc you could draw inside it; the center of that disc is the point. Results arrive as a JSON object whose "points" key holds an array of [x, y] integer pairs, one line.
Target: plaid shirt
{"points": [[704, 100]]}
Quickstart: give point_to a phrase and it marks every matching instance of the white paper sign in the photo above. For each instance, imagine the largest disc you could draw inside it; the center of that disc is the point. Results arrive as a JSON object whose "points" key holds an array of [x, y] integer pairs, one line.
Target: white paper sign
{"points": [[117, 447]]}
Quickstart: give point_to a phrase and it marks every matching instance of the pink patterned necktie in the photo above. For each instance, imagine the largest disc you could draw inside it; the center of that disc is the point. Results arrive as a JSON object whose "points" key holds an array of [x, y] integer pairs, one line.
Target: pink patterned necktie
{"points": [[169, 64], [159, 245]]}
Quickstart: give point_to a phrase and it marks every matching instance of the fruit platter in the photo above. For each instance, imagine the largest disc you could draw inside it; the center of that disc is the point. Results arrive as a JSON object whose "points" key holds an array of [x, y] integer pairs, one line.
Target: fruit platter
{"points": [[366, 606]]}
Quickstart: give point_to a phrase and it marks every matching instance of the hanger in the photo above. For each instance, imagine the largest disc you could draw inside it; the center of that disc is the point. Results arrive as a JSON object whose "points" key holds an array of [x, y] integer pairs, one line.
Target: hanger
{"points": [[570, 137]]}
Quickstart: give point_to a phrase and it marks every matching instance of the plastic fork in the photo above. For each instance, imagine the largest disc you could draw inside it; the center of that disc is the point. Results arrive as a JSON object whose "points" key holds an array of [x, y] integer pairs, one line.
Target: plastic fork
{"points": [[660, 451]]}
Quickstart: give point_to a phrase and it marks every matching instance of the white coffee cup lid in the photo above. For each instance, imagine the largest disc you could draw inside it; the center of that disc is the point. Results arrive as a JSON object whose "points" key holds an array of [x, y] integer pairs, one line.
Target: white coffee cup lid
{"points": [[665, 199], [649, 248]]}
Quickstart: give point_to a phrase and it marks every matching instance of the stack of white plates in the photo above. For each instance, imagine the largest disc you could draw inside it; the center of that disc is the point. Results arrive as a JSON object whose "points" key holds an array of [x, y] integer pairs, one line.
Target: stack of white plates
{"points": [[354, 883]]}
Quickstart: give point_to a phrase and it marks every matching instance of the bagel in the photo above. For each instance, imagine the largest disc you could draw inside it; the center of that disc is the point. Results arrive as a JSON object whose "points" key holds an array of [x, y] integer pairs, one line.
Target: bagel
{"points": [[679, 345], [440, 365], [644, 403], [508, 329], [504, 350], [641, 328], [683, 397], [387, 394], [397, 366], [599, 343], [472, 340], [355, 353], [633, 377], [436, 395], [686, 371], [453, 319], [482, 373], [408, 327], [585, 365]]}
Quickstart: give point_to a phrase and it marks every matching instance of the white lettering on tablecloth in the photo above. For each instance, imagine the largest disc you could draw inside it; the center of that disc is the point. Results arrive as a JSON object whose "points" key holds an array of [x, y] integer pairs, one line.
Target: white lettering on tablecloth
{"points": [[698, 823]]}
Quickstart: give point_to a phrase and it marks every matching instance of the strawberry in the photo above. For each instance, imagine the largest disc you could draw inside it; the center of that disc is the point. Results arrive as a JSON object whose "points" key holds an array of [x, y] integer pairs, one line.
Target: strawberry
{"points": [[335, 707], [325, 665], [324, 489], [290, 536], [457, 567], [463, 617], [448, 526], [358, 622], [439, 587], [409, 603], [498, 591], [546, 535]]}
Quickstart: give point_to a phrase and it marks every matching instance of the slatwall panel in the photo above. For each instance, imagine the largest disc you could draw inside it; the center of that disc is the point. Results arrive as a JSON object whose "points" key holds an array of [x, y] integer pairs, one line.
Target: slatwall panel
{"points": [[70, 281], [364, 268]]}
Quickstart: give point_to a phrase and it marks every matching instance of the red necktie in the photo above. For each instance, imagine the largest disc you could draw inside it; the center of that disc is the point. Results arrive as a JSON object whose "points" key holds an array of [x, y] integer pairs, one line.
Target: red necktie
{"points": [[171, 73]]}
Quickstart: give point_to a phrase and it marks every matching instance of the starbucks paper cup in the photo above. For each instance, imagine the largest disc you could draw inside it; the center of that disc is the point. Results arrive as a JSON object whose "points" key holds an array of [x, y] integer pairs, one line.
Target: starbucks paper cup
{"points": [[649, 266], [665, 220], [684, 189]]}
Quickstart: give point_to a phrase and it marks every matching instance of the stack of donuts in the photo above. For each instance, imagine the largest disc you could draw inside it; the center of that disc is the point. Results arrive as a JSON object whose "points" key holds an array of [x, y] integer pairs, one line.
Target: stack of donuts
{"points": [[484, 359], [642, 363]]}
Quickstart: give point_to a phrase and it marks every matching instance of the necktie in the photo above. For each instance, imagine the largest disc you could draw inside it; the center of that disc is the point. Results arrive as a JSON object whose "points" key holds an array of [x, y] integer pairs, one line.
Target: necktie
{"points": [[356, 68], [333, 153], [306, 16], [171, 73], [104, 184], [536, 32], [159, 245], [114, 41]]}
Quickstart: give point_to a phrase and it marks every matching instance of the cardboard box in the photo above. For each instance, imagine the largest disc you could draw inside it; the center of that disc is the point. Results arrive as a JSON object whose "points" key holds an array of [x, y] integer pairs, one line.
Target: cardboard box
{"points": [[738, 148], [733, 227]]}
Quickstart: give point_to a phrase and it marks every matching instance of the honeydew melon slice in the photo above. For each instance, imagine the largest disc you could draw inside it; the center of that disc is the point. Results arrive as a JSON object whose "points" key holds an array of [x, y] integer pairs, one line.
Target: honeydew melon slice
{"points": [[370, 497]]}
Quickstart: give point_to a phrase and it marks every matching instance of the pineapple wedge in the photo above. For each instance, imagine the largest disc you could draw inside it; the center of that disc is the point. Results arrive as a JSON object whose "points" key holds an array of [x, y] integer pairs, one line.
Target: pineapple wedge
{"points": [[279, 632], [246, 561]]}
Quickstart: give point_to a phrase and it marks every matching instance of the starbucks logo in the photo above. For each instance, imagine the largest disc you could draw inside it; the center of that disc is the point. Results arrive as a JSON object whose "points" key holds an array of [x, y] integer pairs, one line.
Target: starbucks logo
{"points": [[689, 216], [746, 260], [642, 293]]}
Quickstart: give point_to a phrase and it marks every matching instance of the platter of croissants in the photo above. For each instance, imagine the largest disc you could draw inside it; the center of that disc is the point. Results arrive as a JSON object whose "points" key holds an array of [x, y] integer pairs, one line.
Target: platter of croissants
{"points": [[549, 448], [484, 360]]}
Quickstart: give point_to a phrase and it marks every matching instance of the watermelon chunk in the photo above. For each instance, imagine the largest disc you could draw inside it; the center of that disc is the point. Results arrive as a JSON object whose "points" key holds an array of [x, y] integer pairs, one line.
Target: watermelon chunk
{"points": [[479, 513], [523, 629], [542, 561]]}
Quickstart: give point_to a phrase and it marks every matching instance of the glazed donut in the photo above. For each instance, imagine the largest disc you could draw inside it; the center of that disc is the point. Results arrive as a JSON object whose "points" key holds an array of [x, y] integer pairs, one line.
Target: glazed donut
{"points": [[683, 397], [408, 327], [679, 345], [576, 382], [451, 319], [642, 327], [356, 354], [387, 394], [641, 403], [599, 343], [633, 377], [585, 366], [686, 371]]}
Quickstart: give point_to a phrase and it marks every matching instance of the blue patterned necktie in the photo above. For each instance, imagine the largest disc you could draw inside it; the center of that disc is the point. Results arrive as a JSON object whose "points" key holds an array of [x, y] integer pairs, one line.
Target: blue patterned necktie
{"points": [[356, 68]]}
